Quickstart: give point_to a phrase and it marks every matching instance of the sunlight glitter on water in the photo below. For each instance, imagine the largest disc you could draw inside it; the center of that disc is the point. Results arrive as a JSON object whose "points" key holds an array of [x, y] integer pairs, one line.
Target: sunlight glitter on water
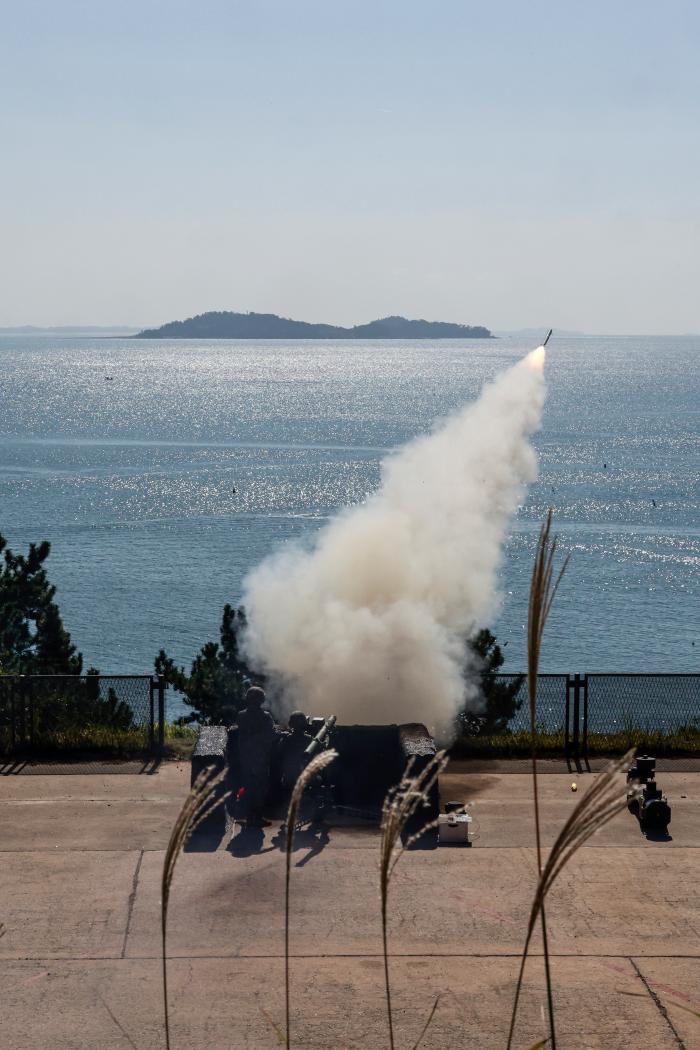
{"points": [[133, 480]]}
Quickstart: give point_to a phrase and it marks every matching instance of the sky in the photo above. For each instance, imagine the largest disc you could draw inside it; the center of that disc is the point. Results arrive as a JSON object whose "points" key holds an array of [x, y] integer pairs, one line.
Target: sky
{"points": [[505, 163]]}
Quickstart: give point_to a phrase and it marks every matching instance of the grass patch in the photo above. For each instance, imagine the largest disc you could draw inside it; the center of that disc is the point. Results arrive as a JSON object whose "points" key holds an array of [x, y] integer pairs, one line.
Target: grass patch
{"points": [[681, 742], [98, 741]]}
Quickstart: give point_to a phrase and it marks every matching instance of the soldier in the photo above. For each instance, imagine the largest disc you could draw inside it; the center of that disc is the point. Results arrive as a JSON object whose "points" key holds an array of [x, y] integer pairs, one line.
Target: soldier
{"points": [[256, 738], [292, 748]]}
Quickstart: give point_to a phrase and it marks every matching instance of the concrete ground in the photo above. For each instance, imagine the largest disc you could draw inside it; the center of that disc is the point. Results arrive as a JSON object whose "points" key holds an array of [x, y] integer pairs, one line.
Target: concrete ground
{"points": [[79, 898]]}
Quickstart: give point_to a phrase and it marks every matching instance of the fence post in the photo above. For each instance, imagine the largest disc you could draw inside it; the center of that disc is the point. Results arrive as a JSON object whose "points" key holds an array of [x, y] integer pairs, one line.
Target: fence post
{"points": [[151, 716], [23, 710], [13, 713], [567, 717], [31, 713], [161, 713], [577, 714], [585, 716]]}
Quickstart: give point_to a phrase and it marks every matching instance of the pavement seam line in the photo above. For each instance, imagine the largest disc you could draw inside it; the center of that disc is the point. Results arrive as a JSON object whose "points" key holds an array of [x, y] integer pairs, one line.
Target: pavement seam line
{"points": [[659, 1005], [131, 902], [248, 956]]}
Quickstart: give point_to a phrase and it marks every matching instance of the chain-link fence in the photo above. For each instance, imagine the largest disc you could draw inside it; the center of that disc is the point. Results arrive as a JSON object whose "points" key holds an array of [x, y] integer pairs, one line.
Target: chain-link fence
{"points": [[650, 702], [54, 716], [606, 703], [608, 710], [60, 715], [551, 702]]}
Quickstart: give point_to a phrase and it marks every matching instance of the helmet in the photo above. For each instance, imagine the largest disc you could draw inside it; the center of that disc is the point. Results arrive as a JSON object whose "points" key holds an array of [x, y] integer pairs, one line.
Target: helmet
{"points": [[255, 697], [298, 722]]}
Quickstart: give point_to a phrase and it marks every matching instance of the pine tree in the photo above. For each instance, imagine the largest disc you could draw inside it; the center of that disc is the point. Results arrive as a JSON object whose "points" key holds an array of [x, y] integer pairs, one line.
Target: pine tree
{"points": [[500, 698], [54, 651], [33, 639], [216, 686]]}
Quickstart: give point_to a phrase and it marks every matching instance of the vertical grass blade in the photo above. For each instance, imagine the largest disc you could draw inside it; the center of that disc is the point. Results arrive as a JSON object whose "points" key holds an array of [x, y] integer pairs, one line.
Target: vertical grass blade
{"points": [[604, 800], [543, 589], [400, 805], [315, 766], [197, 806]]}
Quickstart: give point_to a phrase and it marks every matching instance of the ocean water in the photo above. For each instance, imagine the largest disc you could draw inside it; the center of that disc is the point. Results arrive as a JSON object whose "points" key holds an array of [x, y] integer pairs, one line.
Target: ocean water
{"points": [[132, 480]]}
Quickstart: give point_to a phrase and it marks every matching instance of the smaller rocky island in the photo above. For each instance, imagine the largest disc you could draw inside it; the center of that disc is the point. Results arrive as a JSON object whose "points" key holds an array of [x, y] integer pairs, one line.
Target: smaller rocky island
{"points": [[224, 324]]}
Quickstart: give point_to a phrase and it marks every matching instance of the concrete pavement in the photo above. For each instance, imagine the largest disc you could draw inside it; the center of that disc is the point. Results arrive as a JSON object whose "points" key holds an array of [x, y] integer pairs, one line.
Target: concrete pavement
{"points": [[80, 865]]}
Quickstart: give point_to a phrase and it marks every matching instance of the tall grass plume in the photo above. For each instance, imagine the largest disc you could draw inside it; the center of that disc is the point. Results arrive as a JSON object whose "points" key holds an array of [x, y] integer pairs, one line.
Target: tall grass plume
{"points": [[314, 768], [401, 805], [198, 805], [605, 799], [543, 589]]}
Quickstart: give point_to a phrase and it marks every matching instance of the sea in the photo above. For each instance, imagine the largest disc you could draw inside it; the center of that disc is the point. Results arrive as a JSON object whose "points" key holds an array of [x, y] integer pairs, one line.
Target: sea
{"points": [[161, 486]]}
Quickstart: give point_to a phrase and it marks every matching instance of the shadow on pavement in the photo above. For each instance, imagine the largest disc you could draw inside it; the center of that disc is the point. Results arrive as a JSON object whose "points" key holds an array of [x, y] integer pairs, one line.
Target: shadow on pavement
{"points": [[89, 766], [312, 837], [657, 836], [247, 841]]}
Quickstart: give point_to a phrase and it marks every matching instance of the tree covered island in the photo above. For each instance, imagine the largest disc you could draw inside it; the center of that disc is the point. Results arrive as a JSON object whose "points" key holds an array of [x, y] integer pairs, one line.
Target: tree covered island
{"points": [[225, 324]]}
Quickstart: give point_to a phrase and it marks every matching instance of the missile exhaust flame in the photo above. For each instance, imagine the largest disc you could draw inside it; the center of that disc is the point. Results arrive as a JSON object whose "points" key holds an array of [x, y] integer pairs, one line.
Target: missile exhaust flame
{"points": [[535, 359]]}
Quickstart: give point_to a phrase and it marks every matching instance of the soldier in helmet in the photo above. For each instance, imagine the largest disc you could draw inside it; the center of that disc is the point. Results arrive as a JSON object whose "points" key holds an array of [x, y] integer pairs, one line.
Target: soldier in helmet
{"points": [[256, 739], [292, 748]]}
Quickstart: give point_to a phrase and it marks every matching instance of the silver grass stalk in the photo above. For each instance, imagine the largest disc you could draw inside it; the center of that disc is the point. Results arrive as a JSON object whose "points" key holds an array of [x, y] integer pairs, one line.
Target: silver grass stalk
{"points": [[543, 588], [400, 805], [315, 766], [428, 1022], [197, 806], [671, 1002], [605, 799]]}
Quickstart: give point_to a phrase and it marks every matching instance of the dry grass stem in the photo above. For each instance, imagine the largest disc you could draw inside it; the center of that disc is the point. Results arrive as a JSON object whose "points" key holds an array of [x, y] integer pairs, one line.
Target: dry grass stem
{"points": [[279, 1035], [669, 1002], [315, 766], [401, 804], [197, 806], [426, 1026], [606, 798], [543, 588]]}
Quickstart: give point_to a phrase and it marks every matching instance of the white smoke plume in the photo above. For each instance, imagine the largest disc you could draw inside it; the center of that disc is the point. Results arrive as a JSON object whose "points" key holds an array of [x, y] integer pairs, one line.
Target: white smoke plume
{"points": [[371, 623]]}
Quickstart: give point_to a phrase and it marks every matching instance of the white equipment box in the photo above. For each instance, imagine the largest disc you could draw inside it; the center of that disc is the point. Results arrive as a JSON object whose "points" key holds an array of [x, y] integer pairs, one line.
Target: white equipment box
{"points": [[453, 829]]}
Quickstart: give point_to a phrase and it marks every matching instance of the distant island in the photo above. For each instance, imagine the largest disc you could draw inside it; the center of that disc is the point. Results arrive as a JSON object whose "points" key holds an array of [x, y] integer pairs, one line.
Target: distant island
{"points": [[71, 329], [224, 324]]}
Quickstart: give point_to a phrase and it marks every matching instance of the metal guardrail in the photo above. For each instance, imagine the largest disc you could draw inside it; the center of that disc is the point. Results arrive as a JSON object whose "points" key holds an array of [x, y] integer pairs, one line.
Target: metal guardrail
{"points": [[81, 713]]}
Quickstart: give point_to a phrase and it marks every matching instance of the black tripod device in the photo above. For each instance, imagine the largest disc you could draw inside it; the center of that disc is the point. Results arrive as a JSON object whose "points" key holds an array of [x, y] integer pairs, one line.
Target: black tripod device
{"points": [[652, 809]]}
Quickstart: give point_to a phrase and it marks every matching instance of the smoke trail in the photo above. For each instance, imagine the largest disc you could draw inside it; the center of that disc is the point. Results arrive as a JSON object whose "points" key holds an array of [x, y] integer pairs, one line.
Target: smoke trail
{"points": [[371, 623]]}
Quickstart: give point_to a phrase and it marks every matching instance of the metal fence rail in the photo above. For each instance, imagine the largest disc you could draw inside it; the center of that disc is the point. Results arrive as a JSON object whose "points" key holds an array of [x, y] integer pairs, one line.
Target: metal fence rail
{"points": [[61, 714]]}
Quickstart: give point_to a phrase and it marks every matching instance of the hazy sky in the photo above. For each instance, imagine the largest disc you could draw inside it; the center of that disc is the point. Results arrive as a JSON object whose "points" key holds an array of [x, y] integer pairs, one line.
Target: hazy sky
{"points": [[500, 163]]}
